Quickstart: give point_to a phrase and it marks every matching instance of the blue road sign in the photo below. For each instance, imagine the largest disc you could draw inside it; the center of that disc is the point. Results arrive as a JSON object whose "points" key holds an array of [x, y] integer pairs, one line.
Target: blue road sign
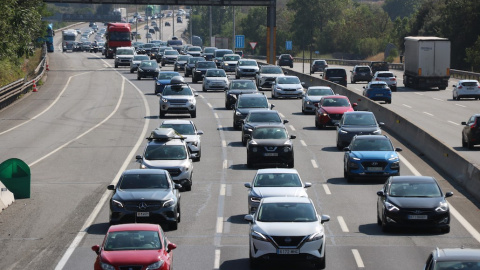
{"points": [[288, 45], [240, 41]]}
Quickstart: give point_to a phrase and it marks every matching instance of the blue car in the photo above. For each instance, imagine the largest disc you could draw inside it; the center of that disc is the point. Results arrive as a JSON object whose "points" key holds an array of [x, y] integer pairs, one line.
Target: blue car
{"points": [[163, 79], [378, 91], [370, 156]]}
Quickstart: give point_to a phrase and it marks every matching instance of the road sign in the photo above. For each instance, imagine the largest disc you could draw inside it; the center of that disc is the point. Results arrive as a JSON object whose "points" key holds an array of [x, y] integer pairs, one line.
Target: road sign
{"points": [[239, 41], [253, 44], [288, 45]]}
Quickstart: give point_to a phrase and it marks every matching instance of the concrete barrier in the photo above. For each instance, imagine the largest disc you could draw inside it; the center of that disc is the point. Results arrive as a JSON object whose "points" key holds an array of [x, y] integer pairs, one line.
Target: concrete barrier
{"points": [[6, 197]]}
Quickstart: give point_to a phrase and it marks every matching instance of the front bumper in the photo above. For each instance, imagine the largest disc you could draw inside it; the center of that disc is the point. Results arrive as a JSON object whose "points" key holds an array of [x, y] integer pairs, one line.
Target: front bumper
{"points": [[259, 155], [215, 85], [128, 214], [401, 219], [289, 93], [177, 106]]}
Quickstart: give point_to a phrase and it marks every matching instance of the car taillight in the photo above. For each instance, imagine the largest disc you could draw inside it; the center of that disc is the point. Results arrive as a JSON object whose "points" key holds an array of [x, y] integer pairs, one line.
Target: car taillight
{"points": [[377, 79], [291, 57], [474, 124], [393, 79], [460, 87]]}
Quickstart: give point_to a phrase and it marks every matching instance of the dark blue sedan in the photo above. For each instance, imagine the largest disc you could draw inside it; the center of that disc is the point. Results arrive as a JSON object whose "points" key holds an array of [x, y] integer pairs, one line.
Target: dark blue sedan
{"points": [[378, 91], [163, 79]]}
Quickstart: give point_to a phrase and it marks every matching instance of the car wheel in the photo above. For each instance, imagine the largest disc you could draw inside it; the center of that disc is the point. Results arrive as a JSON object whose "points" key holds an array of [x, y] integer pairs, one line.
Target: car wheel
{"points": [[348, 176], [339, 147], [244, 141], [199, 155], [194, 80], [469, 144], [291, 164], [139, 78], [379, 221], [303, 110], [187, 187], [131, 70], [352, 81], [253, 261], [162, 114], [163, 64], [173, 225], [385, 227], [186, 74], [179, 214], [116, 66], [291, 66], [237, 77], [322, 263], [204, 89], [249, 162], [193, 114], [175, 69], [445, 230]]}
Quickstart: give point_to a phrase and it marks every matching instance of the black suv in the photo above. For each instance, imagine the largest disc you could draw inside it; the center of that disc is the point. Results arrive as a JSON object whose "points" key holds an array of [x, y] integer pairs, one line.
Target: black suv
{"points": [[471, 132], [336, 75], [270, 144], [200, 68], [259, 117], [378, 66], [247, 102], [361, 73], [318, 65], [191, 64], [285, 60]]}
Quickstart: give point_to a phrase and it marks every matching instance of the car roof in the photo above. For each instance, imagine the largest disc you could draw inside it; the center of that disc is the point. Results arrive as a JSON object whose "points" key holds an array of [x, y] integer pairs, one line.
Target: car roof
{"points": [[358, 112], [462, 81], [286, 200], [277, 170], [383, 71], [377, 82], [319, 87], [448, 254], [133, 227], [368, 137], [252, 95], [289, 76], [177, 121], [412, 178]]}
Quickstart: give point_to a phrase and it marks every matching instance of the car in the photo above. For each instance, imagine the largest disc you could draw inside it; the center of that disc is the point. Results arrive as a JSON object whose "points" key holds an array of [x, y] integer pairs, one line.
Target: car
{"points": [[195, 51], [169, 57], [240, 53], [266, 76], [237, 87], [379, 66], [287, 229], [247, 102], [149, 35], [318, 66], [191, 64], [453, 258], [181, 62], [86, 46], [471, 132], [142, 245], [246, 68], [145, 27], [330, 110], [287, 86], [168, 151], [153, 53], [312, 96], [147, 195], [164, 78], [466, 89], [361, 73], [208, 53], [336, 75], [387, 77], [370, 156], [161, 52], [201, 67], [285, 60], [229, 62], [218, 56], [413, 202], [147, 47], [215, 79], [123, 56], [378, 91], [187, 129], [179, 19], [167, 23], [148, 68], [270, 144], [276, 182], [259, 117], [354, 123], [179, 98]]}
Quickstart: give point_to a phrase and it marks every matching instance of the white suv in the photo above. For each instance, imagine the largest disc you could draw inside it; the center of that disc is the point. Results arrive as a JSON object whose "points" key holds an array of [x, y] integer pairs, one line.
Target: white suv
{"points": [[178, 97], [266, 75], [388, 77], [124, 55]]}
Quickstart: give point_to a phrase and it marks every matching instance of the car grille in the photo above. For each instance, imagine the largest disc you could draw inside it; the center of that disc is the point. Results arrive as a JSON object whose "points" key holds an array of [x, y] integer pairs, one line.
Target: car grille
{"points": [[374, 164], [174, 171], [131, 267], [177, 101], [248, 70], [269, 79], [146, 206], [270, 148], [335, 116], [289, 89], [288, 241]]}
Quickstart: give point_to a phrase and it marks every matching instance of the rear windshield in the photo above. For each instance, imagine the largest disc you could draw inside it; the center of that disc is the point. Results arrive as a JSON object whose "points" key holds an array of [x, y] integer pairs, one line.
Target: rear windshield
{"points": [[469, 83], [363, 69], [336, 72], [174, 42], [385, 75], [222, 53]]}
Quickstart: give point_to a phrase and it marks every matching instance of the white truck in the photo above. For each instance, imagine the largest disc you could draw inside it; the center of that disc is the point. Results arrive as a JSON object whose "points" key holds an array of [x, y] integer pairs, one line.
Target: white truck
{"points": [[68, 39], [122, 12], [427, 62]]}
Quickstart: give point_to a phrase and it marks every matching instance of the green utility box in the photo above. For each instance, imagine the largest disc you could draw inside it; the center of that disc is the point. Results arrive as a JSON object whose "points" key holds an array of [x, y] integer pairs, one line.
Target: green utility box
{"points": [[15, 175]]}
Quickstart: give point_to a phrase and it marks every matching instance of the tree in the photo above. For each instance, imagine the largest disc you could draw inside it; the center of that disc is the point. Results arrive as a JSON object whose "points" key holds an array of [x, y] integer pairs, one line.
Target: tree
{"points": [[473, 56], [401, 8]]}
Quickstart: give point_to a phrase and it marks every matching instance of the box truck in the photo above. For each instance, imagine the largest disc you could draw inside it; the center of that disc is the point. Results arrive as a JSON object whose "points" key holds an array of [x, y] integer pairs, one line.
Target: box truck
{"points": [[427, 62]]}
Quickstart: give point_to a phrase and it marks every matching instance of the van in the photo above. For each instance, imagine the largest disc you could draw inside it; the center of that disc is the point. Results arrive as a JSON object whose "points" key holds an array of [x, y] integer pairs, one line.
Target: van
{"points": [[336, 75]]}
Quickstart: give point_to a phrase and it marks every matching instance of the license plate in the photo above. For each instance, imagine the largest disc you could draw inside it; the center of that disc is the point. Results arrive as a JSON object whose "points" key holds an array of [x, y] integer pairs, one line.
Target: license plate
{"points": [[270, 154], [288, 251], [374, 169], [379, 95], [143, 214], [417, 216]]}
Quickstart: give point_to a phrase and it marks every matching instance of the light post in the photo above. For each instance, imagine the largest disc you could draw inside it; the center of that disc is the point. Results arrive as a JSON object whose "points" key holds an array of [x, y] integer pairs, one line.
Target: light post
{"points": [[210, 7], [233, 8]]}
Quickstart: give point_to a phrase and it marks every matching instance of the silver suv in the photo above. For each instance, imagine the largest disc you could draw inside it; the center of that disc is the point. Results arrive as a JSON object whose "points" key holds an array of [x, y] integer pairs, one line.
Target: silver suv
{"points": [[124, 55], [178, 97], [168, 151], [266, 76]]}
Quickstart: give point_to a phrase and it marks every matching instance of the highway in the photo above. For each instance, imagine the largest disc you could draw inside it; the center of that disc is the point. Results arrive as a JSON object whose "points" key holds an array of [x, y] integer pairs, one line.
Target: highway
{"points": [[89, 120]]}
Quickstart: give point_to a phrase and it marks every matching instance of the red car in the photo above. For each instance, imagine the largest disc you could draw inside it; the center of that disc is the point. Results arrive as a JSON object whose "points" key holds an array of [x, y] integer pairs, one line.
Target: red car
{"points": [[330, 110], [134, 246]]}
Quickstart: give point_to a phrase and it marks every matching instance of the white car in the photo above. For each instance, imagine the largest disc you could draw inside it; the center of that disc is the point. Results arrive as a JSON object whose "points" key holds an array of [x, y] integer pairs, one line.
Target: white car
{"points": [[388, 77], [275, 182], [187, 129], [229, 62], [246, 68], [266, 75], [287, 228], [466, 89], [215, 79], [287, 86]]}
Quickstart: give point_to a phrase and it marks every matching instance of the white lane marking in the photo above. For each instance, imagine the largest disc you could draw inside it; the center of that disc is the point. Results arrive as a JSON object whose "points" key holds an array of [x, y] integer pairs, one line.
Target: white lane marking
{"points": [[281, 115], [219, 224], [215, 115], [327, 190], [358, 258], [303, 142], [225, 164], [428, 113], [224, 143], [407, 106], [209, 105], [292, 128], [451, 122], [216, 264], [222, 189], [463, 106], [314, 164], [342, 223], [418, 94], [79, 237], [438, 99]]}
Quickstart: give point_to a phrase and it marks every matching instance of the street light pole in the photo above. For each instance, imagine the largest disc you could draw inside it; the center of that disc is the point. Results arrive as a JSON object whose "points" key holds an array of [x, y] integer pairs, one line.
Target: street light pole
{"points": [[210, 7], [234, 45]]}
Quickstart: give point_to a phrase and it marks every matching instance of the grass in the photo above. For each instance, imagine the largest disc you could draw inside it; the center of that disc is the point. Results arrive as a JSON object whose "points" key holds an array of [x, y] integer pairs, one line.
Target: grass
{"points": [[12, 71]]}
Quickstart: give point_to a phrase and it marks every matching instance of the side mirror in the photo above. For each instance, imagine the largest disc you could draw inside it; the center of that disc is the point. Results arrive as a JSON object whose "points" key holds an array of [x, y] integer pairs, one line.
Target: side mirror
{"points": [[448, 194], [285, 72], [346, 149], [355, 104], [454, 85], [398, 149], [316, 105], [177, 186], [325, 218], [380, 193], [248, 218], [303, 83], [193, 156], [285, 121], [111, 187], [464, 123], [199, 132], [272, 106], [307, 184], [196, 95], [336, 124], [137, 157], [248, 185], [96, 248], [381, 124], [171, 246], [293, 136], [364, 87]]}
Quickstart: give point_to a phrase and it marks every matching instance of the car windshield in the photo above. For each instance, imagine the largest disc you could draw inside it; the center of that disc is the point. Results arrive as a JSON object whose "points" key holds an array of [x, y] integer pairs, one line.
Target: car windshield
{"points": [[269, 133], [193, 60], [149, 45], [247, 63], [319, 92], [288, 80], [251, 102], [171, 52], [336, 72], [172, 90], [335, 102], [206, 65], [183, 58], [277, 180], [194, 49], [414, 189], [140, 57], [165, 152], [457, 264], [243, 85], [132, 240], [272, 70], [260, 117], [143, 181], [167, 76], [286, 212], [184, 129], [356, 119], [231, 58], [215, 73], [363, 69], [319, 63], [124, 52], [209, 50], [371, 145], [147, 64]]}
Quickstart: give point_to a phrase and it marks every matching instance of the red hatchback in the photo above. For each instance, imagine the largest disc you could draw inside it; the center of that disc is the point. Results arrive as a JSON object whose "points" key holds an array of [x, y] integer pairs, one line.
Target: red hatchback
{"points": [[330, 110], [136, 246]]}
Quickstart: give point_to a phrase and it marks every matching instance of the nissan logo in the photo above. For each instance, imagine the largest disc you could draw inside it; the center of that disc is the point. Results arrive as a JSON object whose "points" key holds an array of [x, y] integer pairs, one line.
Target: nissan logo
{"points": [[142, 206], [288, 240]]}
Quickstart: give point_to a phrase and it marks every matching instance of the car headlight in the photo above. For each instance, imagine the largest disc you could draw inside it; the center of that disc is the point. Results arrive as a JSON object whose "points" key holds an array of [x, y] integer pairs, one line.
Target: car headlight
{"points": [[156, 265], [168, 203], [443, 207], [164, 100], [391, 208], [117, 203], [343, 131], [157, 70], [377, 131], [259, 236], [287, 149], [106, 266], [395, 165], [354, 158], [315, 236], [238, 113], [256, 199]]}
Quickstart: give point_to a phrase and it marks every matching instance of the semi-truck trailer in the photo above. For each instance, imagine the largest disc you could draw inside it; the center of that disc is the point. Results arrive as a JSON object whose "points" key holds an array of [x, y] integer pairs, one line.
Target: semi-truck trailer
{"points": [[117, 35], [68, 39], [427, 62]]}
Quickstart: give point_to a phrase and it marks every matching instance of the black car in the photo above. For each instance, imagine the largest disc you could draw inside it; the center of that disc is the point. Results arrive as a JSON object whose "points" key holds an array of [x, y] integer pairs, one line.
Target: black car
{"points": [[257, 118], [471, 132], [336, 75], [145, 195], [153, 53], [169, 57], [181, 62], [285, 60], [191, 64], [361, 73], [413, 202], [379, 66], [270, 144], [318, 66], [356, 123], [237, 87], [200, 68], [453, 258], [246, 103], [208, 53], [148, 68]]}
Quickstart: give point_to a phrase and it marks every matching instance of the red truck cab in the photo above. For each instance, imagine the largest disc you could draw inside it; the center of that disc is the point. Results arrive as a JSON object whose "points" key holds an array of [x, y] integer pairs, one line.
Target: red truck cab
{"points": [[117, 35]]}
